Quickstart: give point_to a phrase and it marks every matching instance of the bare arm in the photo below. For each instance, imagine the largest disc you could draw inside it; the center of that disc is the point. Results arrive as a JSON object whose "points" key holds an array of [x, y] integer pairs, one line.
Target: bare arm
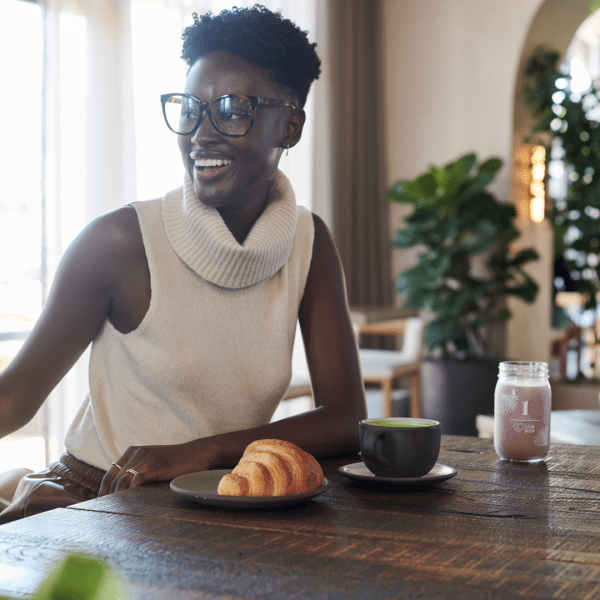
{"points": [[330, 429], [80, 300]]}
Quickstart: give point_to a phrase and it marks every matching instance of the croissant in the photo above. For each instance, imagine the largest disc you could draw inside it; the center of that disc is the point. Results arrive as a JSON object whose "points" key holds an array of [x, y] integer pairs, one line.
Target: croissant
{"points": [[272, 468]]}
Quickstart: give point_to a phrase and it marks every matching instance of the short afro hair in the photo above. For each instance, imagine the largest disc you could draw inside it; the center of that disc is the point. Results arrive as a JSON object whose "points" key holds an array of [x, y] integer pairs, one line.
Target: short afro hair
{"points": [[261, 37]]}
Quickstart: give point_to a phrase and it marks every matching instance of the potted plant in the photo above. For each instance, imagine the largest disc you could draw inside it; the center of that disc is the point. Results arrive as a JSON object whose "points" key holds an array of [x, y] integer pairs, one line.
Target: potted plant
{"points": [[463, 276]]}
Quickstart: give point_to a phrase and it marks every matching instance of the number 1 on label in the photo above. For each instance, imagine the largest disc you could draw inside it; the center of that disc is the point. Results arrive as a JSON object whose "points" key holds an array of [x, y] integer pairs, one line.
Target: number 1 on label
{"points": [[525, 408]]}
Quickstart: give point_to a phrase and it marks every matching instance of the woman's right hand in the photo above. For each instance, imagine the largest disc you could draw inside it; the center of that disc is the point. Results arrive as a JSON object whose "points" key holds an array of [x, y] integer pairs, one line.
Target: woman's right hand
{"points": [[144, 464], [86, 284]]}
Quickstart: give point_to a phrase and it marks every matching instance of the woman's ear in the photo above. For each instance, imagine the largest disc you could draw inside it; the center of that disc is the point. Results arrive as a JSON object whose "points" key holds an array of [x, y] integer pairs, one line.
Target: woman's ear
{"points": [[293, 131]]}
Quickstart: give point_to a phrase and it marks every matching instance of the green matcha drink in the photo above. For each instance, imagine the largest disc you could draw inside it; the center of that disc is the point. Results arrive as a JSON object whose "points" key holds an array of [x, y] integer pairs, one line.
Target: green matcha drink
{"points": [[398, 423]]}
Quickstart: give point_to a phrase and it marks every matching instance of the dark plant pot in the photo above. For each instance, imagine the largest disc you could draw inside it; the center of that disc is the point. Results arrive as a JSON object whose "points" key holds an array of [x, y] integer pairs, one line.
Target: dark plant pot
{"points": [[455, 392]]}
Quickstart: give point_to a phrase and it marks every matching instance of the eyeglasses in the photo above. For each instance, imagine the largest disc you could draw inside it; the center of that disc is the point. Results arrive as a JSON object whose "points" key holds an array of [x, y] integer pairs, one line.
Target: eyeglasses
{"points": [[231, 115]]}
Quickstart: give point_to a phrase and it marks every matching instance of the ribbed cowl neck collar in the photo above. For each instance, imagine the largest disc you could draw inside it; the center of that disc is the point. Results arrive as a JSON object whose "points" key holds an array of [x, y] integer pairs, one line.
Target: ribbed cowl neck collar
{"points": [[201, 239]]}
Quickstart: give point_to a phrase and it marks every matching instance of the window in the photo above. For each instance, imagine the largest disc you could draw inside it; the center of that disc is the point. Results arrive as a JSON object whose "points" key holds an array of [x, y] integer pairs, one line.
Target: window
{"points": [[20, 204], [20, 156]]}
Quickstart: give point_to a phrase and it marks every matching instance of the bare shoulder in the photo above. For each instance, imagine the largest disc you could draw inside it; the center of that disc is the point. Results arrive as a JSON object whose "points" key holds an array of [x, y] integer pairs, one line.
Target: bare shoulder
{"points": [[325, 281], [110, 243], [321, 230], [326, 266], [118, 231]]}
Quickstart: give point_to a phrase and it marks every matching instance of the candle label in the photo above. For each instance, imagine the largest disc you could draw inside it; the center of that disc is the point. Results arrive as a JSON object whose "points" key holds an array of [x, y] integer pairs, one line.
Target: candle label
{"points": [[522, 421]]}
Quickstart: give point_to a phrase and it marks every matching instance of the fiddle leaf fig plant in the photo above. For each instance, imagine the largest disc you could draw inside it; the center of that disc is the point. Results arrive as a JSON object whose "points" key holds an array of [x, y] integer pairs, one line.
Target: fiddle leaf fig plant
{"points": [[461, 228]]}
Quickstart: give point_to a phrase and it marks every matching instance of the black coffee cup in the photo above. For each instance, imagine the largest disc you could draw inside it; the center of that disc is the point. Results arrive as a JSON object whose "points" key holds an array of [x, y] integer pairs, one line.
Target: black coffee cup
{"points": [[399, 447]]}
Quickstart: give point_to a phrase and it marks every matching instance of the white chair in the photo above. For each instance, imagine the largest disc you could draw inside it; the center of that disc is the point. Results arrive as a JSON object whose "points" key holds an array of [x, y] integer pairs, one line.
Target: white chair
{"points": [[386, 367]]}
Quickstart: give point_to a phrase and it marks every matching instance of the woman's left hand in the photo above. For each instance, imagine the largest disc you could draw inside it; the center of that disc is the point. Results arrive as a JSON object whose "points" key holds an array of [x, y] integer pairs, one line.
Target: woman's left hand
{"points": [[144, 464]]}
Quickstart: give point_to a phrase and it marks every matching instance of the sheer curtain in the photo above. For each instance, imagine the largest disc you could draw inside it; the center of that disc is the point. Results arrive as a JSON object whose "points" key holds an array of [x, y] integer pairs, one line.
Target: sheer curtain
{"points": [[361, 227], [106, 62], [88, 155]]}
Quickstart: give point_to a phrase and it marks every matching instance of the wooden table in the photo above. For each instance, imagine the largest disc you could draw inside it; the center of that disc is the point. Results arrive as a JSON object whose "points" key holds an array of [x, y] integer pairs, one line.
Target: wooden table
{"points": [[496, 530]]}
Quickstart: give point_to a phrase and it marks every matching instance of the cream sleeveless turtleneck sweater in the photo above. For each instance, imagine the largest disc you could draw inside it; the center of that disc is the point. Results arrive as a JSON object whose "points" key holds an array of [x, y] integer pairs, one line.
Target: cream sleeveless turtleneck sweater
{"points": [[213, 353]]}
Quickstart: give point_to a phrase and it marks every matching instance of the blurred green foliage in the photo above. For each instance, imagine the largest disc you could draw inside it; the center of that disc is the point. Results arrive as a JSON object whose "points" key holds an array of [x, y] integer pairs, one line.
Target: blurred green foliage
{"points": [[81, 577], [568, 117]]}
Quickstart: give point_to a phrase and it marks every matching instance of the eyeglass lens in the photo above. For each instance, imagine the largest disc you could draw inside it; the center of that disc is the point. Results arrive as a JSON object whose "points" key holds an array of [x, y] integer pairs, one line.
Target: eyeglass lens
{"points": [[231, 115]]}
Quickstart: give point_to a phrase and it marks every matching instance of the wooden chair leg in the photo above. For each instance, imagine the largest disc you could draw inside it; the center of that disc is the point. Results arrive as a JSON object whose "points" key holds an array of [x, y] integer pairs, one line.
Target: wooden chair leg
{"points": [[415, 396], [386, 388]]}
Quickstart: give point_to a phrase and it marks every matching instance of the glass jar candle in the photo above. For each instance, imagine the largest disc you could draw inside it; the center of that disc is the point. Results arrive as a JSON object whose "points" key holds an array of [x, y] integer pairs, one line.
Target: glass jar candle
{"points": [[522, 406]]}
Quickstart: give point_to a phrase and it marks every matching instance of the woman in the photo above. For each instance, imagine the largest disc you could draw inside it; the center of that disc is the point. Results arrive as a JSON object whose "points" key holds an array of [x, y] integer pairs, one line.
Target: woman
{"points": [[191, 301]]}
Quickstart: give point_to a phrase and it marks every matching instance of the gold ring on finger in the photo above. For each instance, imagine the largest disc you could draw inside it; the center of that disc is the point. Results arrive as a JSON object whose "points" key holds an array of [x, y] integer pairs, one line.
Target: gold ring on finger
{"points": [[118, 466], [132, 471]]}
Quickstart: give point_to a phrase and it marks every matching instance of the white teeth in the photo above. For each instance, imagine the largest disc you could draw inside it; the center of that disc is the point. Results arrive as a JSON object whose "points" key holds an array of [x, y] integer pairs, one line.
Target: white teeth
{"points": [[212, 162]]}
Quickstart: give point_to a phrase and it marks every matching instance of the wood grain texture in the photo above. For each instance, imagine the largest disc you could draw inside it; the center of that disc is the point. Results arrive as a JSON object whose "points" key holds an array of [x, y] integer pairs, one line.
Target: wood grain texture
{"points": [[496, 530]]}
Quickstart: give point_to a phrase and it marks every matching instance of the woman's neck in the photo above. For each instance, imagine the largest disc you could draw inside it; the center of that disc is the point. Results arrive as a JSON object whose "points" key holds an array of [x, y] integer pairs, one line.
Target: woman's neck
{"points": [[241, 219]]}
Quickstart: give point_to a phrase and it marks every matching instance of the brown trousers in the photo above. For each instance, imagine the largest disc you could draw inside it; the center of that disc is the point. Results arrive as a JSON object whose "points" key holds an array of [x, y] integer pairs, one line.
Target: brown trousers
{"points": [[62, 484]]}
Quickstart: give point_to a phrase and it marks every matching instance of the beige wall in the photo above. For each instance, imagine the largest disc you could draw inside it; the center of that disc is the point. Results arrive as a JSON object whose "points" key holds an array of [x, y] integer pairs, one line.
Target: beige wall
{"points": [[450, 73]]}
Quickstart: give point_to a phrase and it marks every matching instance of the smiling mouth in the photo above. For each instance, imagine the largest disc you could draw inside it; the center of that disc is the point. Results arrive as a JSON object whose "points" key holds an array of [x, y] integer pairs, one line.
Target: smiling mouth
{"points": [[208, 163], [205, 168]]}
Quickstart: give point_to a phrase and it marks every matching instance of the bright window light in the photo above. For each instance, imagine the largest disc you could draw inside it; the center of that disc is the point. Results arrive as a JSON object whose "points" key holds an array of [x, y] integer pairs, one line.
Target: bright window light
{"points": [[580, 80]]}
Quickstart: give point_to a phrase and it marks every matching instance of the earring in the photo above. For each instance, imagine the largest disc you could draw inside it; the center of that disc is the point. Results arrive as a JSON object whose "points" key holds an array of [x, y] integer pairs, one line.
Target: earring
{"points": [[287, 150]]}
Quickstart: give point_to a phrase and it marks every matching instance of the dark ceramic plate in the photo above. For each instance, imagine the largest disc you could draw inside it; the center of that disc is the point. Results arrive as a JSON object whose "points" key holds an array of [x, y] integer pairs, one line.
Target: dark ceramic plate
{"points": [[202, 487], [360, 472]]}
